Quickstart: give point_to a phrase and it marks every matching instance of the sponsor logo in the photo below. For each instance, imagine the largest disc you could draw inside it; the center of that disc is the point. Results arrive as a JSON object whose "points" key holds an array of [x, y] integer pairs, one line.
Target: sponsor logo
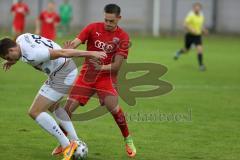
{"points": [[98, 34]]}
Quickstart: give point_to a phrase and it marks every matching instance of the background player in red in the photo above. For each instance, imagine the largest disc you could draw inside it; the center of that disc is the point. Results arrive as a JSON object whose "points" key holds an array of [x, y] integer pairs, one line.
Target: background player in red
{"points": [[47, 22], [19, 11], [101, 78]]}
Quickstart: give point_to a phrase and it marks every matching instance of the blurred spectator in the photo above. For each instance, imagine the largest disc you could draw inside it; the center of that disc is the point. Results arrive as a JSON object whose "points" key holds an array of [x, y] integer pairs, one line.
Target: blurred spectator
{"points": [[65, 11], [19, 11], [47, 22]]}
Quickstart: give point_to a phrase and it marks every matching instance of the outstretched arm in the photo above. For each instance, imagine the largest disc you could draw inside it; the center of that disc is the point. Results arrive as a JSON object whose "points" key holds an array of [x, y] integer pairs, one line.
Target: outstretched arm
{"points": [[68, 53]]}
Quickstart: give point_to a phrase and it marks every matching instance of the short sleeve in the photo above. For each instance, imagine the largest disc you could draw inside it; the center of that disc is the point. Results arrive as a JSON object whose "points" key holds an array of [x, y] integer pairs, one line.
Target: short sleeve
{"points": [[40, 17], [57, 18], [188, 18], [13, 8], [84, 34], [26, 9], [124, 45]]}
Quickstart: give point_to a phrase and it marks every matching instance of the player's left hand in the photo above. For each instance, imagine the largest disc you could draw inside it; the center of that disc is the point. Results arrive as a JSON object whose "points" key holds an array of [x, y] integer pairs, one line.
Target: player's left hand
{"points": [[7, 65], [68, 45]]}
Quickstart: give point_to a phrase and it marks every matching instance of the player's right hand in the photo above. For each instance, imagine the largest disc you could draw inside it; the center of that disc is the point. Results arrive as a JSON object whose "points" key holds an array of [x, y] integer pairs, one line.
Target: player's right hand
{"points": [[98, 55], [7, 65]]}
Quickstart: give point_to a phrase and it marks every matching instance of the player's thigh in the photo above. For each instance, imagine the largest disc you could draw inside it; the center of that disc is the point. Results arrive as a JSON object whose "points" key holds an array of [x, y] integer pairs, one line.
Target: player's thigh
{"points": [[40, 104], [46, 98], [107, 93], [188, 41], [80, 92]]}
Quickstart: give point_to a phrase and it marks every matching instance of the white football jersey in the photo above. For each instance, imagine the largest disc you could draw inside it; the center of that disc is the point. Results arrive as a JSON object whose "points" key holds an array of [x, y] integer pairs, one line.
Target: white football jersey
{"points": [[35, 51]]}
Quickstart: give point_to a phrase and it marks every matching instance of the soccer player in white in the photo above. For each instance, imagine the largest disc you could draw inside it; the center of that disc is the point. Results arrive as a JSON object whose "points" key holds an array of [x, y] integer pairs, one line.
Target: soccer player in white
{"points": [[48, 57]]}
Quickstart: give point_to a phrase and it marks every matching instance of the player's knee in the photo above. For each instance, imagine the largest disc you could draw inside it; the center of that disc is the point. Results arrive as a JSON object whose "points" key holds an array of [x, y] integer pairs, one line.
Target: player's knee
{"points": [[71, 106], [113, 109], [199, 49]]}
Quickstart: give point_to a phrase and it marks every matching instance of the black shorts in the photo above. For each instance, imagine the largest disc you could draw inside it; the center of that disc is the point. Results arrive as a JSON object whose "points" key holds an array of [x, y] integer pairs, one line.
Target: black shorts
{"points": [[192, 39]]}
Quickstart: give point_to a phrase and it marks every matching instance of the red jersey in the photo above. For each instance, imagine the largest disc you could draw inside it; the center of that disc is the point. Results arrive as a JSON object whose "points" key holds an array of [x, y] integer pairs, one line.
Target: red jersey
{"points": [[98, 39], [20, 10], [48, 24]]}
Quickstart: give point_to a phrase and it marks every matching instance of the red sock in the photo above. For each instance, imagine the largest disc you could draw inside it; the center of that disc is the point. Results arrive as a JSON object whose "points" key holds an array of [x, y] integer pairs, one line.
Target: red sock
{"points": [[121, 122]]}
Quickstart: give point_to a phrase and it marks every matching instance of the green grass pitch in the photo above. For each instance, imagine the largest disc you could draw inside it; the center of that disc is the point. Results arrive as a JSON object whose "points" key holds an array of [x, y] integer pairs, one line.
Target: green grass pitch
{"points": [[209, 100]]}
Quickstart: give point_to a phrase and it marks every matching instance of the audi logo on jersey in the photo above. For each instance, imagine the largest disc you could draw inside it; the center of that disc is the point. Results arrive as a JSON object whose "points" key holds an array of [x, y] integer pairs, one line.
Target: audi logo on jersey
{"points": [[112, 46]]}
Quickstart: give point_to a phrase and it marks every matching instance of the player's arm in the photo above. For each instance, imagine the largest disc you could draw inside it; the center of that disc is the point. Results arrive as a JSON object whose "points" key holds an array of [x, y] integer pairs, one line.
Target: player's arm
{"points": [[57, 21], [13, 11], [37, 23], [114, 66], [68, 53], [27, 11]]}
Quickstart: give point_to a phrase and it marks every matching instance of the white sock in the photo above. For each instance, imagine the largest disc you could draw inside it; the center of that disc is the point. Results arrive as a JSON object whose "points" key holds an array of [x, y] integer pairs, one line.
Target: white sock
{"points": [[65, 121], [51, 126]]}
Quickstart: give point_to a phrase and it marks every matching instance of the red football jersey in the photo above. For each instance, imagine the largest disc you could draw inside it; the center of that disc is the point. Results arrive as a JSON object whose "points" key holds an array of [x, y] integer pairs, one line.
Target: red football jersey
{"points": [[99, 39], [48, 24], [20, 10]]}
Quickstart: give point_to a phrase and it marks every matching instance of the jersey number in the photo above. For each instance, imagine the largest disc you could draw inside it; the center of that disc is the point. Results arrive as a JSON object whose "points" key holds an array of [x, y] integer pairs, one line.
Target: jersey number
{"points": [[39, 40]]}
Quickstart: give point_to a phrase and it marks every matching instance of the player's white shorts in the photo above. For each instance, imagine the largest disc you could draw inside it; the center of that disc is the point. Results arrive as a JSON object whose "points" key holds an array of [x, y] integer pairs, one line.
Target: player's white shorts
{"points": [[60, 82]]}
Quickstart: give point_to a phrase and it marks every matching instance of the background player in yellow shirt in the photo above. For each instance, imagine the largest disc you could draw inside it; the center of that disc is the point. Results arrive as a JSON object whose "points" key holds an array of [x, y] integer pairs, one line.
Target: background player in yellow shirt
{"points": [[194, 24]]}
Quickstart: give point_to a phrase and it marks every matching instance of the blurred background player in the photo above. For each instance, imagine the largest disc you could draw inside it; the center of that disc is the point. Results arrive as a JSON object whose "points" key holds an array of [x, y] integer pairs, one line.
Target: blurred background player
{"points": [[194, 25], [47, 22], [65, 11], [19, 11], [101, 78]]}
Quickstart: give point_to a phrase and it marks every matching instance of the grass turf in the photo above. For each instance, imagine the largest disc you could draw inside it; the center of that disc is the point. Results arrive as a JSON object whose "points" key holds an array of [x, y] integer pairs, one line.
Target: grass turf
{"points": [[212, 97]]}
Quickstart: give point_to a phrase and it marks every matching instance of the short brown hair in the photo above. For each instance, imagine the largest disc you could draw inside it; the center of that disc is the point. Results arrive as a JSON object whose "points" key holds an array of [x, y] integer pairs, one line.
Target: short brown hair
{"points": [[112, 9], [197, 4], [5, 45]]}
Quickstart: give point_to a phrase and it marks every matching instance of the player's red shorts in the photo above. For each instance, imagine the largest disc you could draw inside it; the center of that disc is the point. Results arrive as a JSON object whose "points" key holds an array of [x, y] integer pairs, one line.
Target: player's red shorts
{"points": [[83, 90], [18, 26]]}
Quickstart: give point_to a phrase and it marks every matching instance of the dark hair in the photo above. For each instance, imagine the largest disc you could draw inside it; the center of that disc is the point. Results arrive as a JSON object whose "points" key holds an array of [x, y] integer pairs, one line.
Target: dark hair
{"points": [[112, 8], [5, 44]]}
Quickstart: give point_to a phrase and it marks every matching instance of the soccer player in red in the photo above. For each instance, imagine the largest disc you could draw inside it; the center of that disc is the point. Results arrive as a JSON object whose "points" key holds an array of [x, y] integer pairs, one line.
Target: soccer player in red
{"points": [[47, 22], [101, 78], [19, 11]]}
